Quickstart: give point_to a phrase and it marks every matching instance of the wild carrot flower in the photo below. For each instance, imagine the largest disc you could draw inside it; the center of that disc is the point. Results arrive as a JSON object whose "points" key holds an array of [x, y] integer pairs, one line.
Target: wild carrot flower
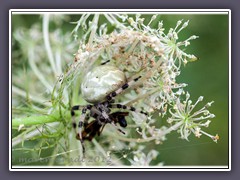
{"points": [[190, 120]]}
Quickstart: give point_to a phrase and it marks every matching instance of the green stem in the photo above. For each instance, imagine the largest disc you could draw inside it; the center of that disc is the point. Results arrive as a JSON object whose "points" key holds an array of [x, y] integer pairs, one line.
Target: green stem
{"points": [[35, 120]]}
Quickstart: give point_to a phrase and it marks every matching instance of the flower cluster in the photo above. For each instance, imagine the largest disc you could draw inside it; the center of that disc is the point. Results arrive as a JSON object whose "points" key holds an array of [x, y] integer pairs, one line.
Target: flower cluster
{"points": [[190, 121], [137, 48]]}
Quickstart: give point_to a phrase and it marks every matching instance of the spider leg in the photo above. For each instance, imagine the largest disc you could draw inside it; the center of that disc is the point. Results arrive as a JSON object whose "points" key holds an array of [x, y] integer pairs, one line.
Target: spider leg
{"points": [[125, 86], [105, 62], [80, 123], [101, 129], [115, 126], [131, 108], [74, 124], [86, 120]]}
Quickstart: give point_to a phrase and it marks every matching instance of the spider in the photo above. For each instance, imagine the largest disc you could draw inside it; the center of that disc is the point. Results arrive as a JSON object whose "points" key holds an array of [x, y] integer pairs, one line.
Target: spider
{"points": [[99, 88]]}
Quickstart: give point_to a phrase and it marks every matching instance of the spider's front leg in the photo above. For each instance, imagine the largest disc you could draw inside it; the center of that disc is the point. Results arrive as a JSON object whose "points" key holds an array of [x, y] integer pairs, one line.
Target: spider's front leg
{"points": [[78, 128], [131, 108], [122, 88]]}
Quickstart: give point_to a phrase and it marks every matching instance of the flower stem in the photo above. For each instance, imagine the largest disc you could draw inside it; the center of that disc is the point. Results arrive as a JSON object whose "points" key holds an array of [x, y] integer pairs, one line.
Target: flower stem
{"points": [[47, 43], [35, 120]]}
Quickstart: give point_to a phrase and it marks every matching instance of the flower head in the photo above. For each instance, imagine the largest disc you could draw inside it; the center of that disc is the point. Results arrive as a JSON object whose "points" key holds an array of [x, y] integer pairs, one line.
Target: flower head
{"points": [[173, 47], [190, 121], [142, 159]]}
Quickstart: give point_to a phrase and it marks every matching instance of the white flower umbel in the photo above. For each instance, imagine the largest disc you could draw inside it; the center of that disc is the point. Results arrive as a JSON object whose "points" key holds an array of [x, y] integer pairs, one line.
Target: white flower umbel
{"points": [[137, 48], [134, 46], [170, 44], [173, 47], [189, 119], [142, 159]]}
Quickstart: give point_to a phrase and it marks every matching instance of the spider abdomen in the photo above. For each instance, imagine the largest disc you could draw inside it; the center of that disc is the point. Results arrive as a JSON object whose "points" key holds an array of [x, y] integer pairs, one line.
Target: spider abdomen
{"points": [[101, 81]]}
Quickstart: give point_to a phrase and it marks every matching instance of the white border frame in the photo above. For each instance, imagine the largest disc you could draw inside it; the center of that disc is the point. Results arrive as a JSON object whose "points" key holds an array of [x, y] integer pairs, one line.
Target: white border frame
{"points": [[126, 168]]}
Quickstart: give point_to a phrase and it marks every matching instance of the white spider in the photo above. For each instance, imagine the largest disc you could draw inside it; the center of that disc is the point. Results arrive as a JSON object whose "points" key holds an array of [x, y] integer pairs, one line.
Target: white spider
{"points": [[100, 87]]}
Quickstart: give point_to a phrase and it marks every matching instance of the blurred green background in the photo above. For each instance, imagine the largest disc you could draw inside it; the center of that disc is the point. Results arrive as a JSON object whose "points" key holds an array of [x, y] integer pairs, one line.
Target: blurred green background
{"points": [[207, 77]]}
